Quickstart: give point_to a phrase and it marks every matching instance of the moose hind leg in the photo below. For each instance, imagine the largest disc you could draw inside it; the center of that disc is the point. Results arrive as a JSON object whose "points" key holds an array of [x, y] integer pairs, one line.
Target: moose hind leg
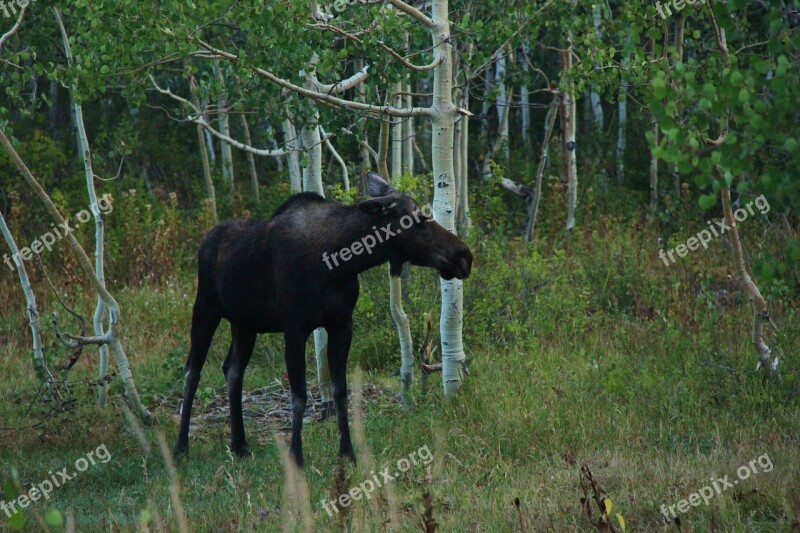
{"points": [[295, 355], [238, 357], [338, 349], [205, 320]]}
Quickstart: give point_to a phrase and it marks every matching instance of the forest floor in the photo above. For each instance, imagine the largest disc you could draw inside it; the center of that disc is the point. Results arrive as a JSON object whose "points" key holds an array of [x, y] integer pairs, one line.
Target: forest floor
{"points": [[596, 359]]}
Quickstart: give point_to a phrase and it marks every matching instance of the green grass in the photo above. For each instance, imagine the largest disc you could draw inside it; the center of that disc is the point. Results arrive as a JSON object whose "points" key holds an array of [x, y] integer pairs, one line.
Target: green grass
{"points": [[594, 355]]}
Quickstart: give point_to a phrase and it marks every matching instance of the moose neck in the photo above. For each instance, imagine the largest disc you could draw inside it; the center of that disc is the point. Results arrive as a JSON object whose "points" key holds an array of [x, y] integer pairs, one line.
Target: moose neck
{"points": [[358, 243]]}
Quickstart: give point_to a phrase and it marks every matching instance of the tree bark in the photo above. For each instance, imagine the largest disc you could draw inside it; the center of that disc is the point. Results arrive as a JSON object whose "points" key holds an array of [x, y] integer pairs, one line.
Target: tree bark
{"points": [[760, 313], [99, 227], [113, 307], [292, 155], [571, 170], [224, 128], [550, 120], [251, 161], [39, 360], [451, 317]]}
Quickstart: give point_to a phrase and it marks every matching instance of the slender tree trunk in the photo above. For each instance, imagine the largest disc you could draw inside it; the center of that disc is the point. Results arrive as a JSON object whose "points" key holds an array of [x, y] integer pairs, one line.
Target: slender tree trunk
{"points": [[503, 105], [502, 138], [464, 220], [524, 100], [251, 160], [209, 138], [408, 135], [383, 145], [622, 111], [207, 180], [570, 114], [209, 183], [99, 227], [224, 128], [39, 360], [293, 158], [397, 134], [594, 98], [549, 121], [760, 312], [451, 318], [338, 158], [111, 335], [654, 168]]}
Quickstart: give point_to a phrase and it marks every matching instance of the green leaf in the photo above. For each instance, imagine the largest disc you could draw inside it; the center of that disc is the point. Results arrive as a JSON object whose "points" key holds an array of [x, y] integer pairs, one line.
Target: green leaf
{"points": [[17, 520], [707, 201], [54, 518], [10, 489], [621, 521]]}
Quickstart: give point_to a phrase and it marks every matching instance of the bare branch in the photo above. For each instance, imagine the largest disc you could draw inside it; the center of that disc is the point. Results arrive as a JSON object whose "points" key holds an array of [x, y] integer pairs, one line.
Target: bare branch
{"points": [[197, 118], [342, 86], [414, 12], [419, 68], [316, 95]]}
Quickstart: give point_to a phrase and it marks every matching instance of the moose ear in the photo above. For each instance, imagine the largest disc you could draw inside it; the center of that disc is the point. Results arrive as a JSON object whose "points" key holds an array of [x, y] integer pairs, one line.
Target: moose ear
{"points": [[378, 206], [377, 185]]}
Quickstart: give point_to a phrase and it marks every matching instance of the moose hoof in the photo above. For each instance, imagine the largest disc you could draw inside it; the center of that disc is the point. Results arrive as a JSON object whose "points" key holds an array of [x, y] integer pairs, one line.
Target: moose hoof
{"points": [[242, 452], [348, 454], [180, 451], [328, 410]]}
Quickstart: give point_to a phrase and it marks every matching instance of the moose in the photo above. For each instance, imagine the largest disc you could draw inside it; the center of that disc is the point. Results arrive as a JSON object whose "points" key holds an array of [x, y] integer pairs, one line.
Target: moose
{"points": [[296, 272]]}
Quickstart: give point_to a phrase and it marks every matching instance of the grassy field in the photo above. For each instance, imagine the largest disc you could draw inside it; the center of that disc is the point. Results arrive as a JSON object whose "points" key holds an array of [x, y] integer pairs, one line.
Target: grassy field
{"points": [[592, 353]]}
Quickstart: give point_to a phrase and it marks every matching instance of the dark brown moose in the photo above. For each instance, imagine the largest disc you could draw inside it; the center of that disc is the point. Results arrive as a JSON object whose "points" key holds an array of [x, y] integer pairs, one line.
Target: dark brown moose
{"points": [[296, 272]]}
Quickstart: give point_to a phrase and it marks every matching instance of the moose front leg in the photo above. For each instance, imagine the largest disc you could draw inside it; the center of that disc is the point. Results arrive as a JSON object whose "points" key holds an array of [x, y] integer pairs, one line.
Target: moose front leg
{"points": [[238, 357], [338, 349]]}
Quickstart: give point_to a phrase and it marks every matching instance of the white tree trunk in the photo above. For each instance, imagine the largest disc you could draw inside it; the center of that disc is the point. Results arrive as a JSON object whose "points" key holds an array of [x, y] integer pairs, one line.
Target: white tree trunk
{"points": [[524, 102], [251, 160], [570, 105], [404, 333], [293, 155], [224, 128], [444, 197], [209, 138], [594, 98], [408, 135], [338, 158], [485, 108], [312, 145], [622, 111], [397, 135], [209, 183], [503, 102], [533, 209], [99, 227], [39, 361], [131, 393]]}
